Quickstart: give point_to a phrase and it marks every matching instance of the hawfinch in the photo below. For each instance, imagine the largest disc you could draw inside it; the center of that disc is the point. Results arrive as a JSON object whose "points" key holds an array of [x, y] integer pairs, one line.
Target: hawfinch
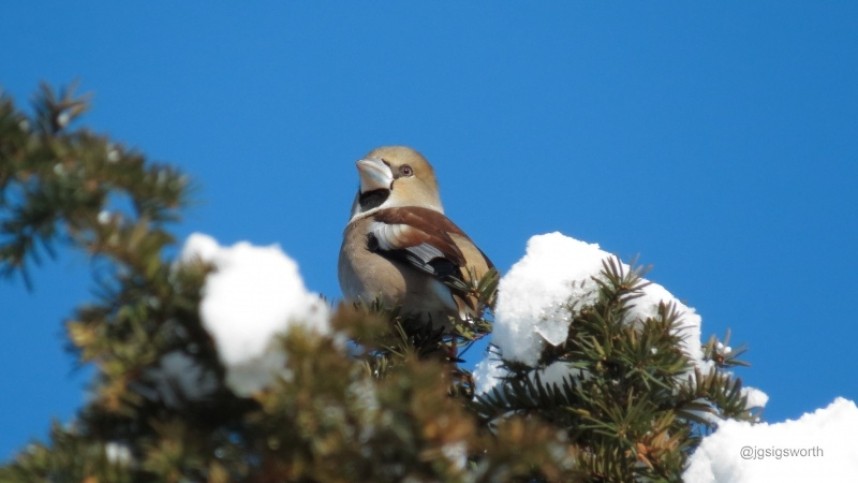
{"points": [[399, 247]]}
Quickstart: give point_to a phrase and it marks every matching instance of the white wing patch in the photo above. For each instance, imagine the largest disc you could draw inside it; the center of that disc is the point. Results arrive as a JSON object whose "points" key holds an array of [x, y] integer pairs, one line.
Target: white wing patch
{"points": [[391, 236], [387, 234]]}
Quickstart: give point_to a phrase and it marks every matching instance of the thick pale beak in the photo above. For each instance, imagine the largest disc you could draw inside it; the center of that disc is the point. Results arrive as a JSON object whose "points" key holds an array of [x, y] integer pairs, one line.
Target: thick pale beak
{"points": [[374, 175]]}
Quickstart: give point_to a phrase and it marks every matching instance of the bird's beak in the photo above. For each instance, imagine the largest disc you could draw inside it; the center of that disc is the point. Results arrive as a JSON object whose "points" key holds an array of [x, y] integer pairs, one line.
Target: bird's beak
{"points": [[374, 174]]}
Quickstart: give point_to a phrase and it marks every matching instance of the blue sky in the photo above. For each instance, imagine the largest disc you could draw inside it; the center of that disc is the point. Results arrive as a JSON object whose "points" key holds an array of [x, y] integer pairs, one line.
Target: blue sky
{"points": [[717, 141]]}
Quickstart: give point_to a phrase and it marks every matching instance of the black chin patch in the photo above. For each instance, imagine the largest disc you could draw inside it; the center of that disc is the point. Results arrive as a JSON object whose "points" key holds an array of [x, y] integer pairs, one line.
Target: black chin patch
{"points": [[373, 199]]}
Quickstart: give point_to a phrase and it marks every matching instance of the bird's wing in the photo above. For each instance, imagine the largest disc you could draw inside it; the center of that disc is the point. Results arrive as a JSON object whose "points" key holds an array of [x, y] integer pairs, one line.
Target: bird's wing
{"points": [[420, 237]]}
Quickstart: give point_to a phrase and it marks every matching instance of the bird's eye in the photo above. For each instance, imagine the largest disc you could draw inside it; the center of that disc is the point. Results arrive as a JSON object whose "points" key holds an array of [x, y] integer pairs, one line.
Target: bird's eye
{"points": [[405, 170]]}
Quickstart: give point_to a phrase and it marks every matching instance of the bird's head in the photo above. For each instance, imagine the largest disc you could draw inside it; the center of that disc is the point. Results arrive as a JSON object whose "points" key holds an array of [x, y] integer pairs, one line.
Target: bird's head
{"points": [[395, 176]]}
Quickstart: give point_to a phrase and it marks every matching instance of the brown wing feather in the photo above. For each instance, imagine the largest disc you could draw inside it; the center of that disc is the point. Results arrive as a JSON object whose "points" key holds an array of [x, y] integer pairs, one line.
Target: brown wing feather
{"points": [[424, 226], [429, 241]]}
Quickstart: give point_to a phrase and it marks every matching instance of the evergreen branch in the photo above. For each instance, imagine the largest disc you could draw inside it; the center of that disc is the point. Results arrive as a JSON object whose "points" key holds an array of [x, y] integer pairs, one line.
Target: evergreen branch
{"points": [[617, 400], [58, 185]]}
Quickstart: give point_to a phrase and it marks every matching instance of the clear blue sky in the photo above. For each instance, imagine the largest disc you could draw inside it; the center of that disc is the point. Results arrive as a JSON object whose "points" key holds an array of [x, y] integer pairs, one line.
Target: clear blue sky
{"points": [[718, 141]]}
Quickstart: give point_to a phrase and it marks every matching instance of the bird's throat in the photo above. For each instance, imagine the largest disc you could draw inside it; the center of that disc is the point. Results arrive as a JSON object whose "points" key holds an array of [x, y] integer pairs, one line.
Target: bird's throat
{"points": [[373, 199]]}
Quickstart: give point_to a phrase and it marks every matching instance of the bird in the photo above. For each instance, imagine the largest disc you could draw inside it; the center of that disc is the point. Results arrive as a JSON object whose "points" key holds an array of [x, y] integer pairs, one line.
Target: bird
{"points": [[400, 248]]}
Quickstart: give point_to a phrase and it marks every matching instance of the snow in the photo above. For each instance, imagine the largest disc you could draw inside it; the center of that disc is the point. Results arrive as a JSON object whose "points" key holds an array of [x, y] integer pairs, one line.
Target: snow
{"points": [[487, 373], [533, 310], [112, 153], [647, 306], [118, 453], [104, 217], [819, 446], [201, 247], [254, 295], [756, 398], [456, 453], [534, 299]]}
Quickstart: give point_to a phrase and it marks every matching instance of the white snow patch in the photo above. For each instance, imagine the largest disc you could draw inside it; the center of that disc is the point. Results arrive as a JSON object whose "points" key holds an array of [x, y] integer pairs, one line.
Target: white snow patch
{"points": [[531, 308], [456, 453], [819, 446], [104, 217], [533, 298], [557, 273], [112, 153], [487, 373], [118, 453], [254, 295], [647, 306], [756, 398], [557, 372], [200, 247]]}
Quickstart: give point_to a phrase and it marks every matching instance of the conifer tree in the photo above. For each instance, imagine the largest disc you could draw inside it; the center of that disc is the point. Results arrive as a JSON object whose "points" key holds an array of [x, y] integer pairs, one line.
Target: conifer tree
{"points": [[380, 398]]}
